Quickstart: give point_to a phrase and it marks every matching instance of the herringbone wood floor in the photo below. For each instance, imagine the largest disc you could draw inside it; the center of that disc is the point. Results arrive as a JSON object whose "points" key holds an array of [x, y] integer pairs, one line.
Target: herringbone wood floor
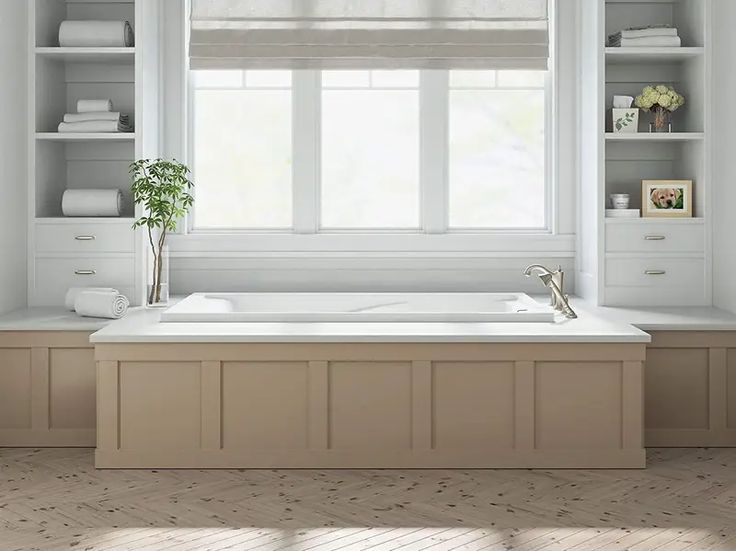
{"points": [[54, 499]]}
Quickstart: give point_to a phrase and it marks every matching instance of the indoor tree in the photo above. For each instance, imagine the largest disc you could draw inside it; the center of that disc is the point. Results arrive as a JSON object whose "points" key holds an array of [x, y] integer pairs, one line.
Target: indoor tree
{"points": [[163, 189]]}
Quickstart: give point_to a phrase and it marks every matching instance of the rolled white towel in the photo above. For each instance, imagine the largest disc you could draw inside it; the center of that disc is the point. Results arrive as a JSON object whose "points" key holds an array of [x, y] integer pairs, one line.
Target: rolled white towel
{"points": [[95, 34], [101, 304], [71, 294], [95, 126], [92, 202], [96, 116], [93, 105]]}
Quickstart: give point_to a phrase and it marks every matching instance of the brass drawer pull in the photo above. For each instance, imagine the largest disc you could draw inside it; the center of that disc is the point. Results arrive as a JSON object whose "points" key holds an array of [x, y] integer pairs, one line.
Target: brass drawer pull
{"points": [[654, 237], [85, 237], [85, 272], [655, 272]]}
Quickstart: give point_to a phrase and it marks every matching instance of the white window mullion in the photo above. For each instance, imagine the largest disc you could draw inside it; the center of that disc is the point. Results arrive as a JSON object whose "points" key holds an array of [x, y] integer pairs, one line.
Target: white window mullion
{"points": [[433, 112], [306, 154]]}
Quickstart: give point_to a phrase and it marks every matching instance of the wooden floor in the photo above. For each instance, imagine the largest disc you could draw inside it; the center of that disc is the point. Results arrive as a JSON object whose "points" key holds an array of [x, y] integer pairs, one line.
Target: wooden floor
{"points": [[54, 499]]}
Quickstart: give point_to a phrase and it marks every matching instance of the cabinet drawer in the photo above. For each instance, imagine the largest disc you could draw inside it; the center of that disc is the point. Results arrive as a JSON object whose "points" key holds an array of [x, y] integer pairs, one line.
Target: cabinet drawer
{"points": [[655, 272], [54, 276], [655, 237], [85, 237]]}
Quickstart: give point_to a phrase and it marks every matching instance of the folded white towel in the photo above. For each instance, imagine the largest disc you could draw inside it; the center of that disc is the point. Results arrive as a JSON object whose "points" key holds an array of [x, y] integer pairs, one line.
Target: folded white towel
{"points": [[97, 116], [101, 304], [663, 41], [71, 294], [643, 32], [95, 126], [95, 34], [93, 105], [92, 202]]}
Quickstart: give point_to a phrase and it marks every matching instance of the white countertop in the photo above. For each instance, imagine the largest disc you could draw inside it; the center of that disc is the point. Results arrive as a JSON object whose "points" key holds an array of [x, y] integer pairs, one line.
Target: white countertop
{"points": [[49, 319], [595, 324]]}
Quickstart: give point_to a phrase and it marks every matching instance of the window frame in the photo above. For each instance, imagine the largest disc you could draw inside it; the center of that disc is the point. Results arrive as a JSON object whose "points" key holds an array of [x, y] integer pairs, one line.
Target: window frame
{"points": [[433, 167]]}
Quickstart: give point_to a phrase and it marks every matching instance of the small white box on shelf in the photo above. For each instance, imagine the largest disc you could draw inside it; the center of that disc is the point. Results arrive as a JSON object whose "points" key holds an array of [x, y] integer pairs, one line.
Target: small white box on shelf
{"points": [[625, 120], [623, 213]]}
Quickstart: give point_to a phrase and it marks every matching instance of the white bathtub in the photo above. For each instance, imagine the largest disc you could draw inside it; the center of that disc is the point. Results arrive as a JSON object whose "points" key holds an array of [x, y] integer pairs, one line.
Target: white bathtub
{"points": [[358, 307]]}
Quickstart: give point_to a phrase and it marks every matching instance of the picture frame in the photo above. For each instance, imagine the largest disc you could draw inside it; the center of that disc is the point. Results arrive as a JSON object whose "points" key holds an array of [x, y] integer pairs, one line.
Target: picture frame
{"points": [[667, 198]]}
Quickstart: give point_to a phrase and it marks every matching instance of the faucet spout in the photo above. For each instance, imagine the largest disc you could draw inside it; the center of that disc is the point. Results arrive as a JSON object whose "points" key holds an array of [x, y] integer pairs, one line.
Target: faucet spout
{"points": [[554, 281]]}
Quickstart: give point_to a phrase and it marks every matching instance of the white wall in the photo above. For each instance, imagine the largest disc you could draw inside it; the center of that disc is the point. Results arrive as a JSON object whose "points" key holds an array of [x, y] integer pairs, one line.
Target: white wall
{"points": [[13, 140], [724, 152]]}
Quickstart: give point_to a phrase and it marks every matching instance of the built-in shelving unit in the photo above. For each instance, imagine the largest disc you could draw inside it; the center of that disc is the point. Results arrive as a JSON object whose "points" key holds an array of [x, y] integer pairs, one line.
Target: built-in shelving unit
{"points": [[645, 261], [64, 252]]}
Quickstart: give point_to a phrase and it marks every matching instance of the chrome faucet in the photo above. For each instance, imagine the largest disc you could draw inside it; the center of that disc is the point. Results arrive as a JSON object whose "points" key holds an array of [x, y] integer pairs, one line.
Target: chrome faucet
{"points": [[554, 281]]}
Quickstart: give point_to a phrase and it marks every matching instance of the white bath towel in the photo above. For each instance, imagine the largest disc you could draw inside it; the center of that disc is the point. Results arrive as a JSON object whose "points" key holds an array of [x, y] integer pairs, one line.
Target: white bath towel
{"points": [[93, 105], [96, 116], [94, 126], [92, 202], [656, 41], [101, 304], [71, 294], [644, 32], [95, 34]]}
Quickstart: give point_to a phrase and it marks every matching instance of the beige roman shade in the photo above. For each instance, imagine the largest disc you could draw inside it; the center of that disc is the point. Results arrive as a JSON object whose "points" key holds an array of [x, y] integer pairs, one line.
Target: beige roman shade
{"points": [[243, 34]]}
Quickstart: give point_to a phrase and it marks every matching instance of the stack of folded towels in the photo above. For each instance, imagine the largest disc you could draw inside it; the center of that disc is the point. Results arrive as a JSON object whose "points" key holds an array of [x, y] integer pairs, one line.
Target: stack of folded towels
{"points": [[95, 115], [663, 36], [96, 302]]}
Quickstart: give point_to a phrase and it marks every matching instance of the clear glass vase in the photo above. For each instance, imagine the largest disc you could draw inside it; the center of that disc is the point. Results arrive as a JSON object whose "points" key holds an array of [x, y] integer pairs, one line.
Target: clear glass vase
{"points": [[661, 122], [157, 283]]}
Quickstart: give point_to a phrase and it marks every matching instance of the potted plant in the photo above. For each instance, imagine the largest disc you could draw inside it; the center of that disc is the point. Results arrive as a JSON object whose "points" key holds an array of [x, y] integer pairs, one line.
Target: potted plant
{"points": [[661, 99], [163, 189]]}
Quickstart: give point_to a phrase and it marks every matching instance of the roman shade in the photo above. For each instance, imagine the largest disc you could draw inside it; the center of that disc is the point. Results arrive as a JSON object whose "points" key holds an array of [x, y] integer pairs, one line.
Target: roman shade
{"points": [[334, 34]]}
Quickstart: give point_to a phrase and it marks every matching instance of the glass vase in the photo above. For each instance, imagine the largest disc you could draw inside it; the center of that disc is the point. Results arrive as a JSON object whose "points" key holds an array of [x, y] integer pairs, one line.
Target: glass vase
{"points": [[661, 121], [157, 283]]}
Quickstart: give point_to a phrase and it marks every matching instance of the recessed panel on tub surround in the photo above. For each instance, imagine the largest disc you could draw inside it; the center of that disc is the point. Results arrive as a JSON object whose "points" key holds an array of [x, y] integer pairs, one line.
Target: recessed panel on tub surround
{"points": [[473, 405], [72, 384], [370, 405], [731, 388], [160, 405], [676, 382], [265, 405], [15, 388], [578, 405]]}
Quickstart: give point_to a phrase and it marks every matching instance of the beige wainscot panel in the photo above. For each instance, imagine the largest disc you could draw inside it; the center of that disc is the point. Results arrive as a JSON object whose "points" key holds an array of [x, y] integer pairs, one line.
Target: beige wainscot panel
{"points": [[690, 389], [47, 389], [364, 405], [370, 405], [265, 405], [15, 388], [578, 405], [160, 405], [473, 405]]}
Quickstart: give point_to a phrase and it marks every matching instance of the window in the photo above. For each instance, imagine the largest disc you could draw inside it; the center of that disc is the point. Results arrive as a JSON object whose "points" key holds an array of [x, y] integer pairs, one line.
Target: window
{"points": [[369, 150]]}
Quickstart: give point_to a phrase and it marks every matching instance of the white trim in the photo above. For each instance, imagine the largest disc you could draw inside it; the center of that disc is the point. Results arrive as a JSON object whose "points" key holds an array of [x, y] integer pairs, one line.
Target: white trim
{"points": [[433, 98], [306, 113]]}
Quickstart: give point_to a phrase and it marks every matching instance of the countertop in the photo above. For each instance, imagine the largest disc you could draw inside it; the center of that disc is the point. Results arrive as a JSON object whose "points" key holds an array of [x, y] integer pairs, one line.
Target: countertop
{"points": [[595, 324]]}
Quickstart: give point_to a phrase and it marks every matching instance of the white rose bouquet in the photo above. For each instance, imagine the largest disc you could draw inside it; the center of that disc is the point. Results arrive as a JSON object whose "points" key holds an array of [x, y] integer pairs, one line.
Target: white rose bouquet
{"points": [[662, 100]]}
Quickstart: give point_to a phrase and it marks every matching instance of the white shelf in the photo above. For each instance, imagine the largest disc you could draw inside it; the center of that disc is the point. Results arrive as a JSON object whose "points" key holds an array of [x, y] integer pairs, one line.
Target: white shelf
{"points": [[655, 136], [84, 219], [641, 220], [86, 137], [125, 56], [645, 55]]}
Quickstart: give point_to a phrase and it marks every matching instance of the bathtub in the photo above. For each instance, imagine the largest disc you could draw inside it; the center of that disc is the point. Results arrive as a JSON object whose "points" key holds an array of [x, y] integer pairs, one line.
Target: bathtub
{"points": [[358, 307]]}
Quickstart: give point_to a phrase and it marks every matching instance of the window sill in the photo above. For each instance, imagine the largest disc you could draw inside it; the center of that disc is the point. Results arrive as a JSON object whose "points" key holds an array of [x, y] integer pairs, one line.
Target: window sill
{"points": [[387, 245]]}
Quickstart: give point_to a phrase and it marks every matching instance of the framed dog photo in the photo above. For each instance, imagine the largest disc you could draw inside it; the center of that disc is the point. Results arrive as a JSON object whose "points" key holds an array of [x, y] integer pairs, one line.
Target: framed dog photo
{"points": [[667, 198]]}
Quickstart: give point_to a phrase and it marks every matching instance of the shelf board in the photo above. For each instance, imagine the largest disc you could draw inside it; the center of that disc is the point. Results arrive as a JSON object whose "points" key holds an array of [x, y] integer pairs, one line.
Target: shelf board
{"points": [[644, 55], [655, 136], [693, 220], [124, 56], [86, 136], [125, 219]]}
